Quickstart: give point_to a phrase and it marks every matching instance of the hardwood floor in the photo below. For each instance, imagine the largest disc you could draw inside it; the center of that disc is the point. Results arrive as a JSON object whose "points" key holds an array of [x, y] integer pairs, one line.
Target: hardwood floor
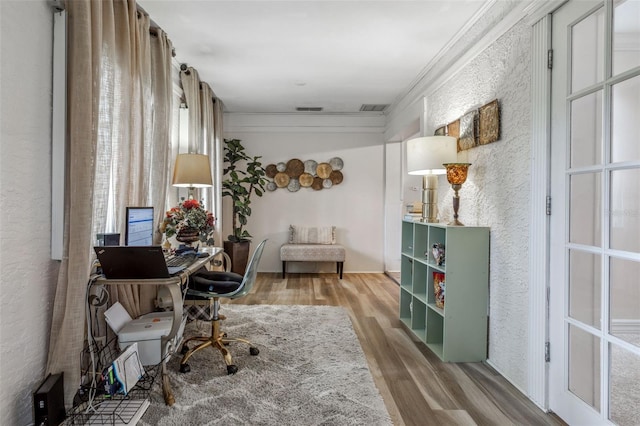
{"points": [[418, 389]]}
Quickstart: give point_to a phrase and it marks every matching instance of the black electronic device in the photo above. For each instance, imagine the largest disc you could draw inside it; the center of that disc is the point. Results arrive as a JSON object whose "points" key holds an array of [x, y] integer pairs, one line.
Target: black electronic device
{"points": [[108, 239], [133, 262], [139, 226], [48, 401]]}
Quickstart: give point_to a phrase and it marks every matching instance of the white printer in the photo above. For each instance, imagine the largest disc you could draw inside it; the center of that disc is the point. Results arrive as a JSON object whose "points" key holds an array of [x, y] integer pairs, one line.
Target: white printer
{"points": [[145, 330]]}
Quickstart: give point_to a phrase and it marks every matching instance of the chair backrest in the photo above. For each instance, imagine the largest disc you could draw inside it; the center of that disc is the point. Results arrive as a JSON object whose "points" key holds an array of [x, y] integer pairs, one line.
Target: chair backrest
{"points": [[252, 271]]}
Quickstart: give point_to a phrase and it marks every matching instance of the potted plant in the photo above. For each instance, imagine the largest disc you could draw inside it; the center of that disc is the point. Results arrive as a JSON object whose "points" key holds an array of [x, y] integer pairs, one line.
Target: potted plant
{"points": [[240, 184]]}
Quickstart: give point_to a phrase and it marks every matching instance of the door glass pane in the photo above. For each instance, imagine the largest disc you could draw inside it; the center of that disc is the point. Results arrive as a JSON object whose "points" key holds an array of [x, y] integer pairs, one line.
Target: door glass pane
{"points": [[624, 300], [626, 33], [586, 130], [587, 51], [585, 209], [625, 119], [584, 366], [584, 287], [624, 217], [624, 391]]}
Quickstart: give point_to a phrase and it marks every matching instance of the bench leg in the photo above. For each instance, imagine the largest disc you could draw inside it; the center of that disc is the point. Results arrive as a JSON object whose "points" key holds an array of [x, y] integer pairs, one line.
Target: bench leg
{"points": [[284, 268], [340, 268]]}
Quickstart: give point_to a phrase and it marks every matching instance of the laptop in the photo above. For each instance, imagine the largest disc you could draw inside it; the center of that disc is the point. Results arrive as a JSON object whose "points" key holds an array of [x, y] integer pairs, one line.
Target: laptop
{"points": [[136, 262]]}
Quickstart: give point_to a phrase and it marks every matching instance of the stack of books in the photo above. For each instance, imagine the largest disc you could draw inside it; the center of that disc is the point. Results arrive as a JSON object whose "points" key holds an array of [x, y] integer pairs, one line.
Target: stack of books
{"points": [[413, 216]]}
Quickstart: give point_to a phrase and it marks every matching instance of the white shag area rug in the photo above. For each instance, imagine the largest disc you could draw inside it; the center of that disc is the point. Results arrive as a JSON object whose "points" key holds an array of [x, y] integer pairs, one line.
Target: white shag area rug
{"points": [[311, 370]]}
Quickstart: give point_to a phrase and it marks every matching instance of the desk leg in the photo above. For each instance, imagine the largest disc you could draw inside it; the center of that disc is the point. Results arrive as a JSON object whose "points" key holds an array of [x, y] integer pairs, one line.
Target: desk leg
{"points": [[170, 340]]}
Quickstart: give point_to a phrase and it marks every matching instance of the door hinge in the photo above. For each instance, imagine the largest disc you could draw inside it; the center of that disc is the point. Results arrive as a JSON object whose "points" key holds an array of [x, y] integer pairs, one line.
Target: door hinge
{"points": [[550, 58], [548, 205], [547, 352]]}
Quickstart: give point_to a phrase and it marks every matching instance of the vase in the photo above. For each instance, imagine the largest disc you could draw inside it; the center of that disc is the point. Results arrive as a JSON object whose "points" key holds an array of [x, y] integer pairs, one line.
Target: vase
{"points": [[187, 235]]}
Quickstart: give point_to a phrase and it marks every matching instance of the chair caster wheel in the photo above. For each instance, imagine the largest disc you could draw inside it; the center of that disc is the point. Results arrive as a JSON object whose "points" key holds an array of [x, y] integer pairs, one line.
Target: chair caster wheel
{"points": [[232, 369], [254, 351], [184, 349], [184, 368]]}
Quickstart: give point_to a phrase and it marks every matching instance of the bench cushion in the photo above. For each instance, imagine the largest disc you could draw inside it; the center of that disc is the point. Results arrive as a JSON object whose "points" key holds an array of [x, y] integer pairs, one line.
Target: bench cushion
{"points": [[312, 253], [312, 235]]}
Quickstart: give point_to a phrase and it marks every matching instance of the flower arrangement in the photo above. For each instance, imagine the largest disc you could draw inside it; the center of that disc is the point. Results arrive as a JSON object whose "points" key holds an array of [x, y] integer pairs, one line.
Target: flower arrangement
{"points": [[189, 216]]}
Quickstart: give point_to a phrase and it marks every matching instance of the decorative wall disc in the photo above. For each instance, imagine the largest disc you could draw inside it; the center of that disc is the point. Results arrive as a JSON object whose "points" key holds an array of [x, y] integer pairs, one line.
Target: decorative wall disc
{"points": [[294, 185], [281, 179], [295, 168], [323, 170], [326, 183], [310, 167], [281, 167], [271, 186], [336, 177], [271, 171], [317, 183], [336, 163], [306, 180]]}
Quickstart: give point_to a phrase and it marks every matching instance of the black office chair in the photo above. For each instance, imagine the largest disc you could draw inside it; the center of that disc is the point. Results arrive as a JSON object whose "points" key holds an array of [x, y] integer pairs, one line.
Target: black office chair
{"points": [[214, 285]]}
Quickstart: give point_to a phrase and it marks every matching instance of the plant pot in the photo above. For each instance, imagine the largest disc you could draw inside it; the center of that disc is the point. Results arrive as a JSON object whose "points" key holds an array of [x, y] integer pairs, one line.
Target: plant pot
{"points": [[187, 235], [238, 252]]}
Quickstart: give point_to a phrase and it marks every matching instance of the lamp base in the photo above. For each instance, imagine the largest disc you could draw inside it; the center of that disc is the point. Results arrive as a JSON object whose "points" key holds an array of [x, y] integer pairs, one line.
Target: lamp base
{"points": [[429, 199], [456, 206]]}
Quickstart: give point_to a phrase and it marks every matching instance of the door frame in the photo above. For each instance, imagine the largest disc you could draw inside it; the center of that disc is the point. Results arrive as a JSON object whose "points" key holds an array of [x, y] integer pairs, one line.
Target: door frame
{"points": [[539, 351]]}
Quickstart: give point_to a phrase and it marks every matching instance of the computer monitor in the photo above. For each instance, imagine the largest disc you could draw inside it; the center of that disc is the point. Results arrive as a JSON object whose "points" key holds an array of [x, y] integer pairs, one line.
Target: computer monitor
{"points": [[139, 230]]}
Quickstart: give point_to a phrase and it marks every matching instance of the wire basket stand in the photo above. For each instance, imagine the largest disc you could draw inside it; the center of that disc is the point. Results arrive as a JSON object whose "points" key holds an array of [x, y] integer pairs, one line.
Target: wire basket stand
{"points": [[93, 405]]}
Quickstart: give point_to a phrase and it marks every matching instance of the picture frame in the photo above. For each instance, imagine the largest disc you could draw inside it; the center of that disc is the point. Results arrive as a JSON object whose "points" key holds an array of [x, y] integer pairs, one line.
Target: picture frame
{"points": [[467, 139], [489, 123], [453, 129]]}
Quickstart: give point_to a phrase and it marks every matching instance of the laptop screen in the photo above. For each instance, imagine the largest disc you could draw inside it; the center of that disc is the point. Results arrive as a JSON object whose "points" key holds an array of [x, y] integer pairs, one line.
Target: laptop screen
{"points": [[139, 226]]}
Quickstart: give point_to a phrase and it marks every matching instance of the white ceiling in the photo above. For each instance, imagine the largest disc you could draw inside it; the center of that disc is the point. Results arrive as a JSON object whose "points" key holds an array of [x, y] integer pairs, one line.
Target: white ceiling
{"points": [[273, 56]]}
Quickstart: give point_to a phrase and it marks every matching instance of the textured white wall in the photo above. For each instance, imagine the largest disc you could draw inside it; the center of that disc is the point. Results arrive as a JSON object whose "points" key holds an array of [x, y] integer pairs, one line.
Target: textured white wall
{"points": [[496, 193], [28, 275], [355, 206]]}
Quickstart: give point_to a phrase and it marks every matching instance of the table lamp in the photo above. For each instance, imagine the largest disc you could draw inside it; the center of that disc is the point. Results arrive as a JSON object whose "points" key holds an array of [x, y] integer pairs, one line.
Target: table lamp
{"points": [[456, 175], [425, 156], [192, 171]]}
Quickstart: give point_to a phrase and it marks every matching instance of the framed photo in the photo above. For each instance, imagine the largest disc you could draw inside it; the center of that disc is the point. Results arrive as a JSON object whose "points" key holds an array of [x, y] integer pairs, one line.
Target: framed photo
{"points": [[453, 129], [441, 131], [489, 123], [467, 138]]}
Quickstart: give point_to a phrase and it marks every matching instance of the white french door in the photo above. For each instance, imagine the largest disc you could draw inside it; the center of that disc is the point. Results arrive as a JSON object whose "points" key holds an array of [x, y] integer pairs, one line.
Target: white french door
{"points": [[594, 303]]}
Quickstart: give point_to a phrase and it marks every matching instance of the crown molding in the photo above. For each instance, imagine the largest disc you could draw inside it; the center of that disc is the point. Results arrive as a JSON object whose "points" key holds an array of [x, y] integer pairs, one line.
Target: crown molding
{"points": [[438, 72], [304, 122]]}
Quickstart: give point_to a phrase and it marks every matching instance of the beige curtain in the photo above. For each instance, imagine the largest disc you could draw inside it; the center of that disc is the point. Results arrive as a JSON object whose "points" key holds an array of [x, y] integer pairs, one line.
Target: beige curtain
{"points": [[216, 169], [205, 137], [191, 87], [210, 144], [118, 119]]}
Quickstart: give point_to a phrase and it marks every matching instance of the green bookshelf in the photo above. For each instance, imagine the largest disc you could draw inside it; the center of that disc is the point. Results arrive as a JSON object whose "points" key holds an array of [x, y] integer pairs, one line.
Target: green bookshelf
{"points": [[456, 332]]}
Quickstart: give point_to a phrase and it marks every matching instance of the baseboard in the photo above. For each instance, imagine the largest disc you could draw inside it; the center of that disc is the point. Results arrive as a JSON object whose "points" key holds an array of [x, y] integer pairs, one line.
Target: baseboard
{"points": [[488, 361]]}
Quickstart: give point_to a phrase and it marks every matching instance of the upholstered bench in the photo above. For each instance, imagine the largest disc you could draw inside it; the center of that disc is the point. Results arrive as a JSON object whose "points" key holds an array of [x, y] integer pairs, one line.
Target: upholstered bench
{"points": [[312, 244]]}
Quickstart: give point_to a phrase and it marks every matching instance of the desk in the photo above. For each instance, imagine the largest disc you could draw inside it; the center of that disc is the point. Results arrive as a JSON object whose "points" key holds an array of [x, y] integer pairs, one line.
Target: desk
{"points": [[173, 285]]}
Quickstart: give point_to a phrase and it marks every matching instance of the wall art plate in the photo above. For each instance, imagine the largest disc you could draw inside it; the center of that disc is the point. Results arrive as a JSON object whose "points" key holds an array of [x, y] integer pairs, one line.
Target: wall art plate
{"points": [[467, 138], [489, 123]]}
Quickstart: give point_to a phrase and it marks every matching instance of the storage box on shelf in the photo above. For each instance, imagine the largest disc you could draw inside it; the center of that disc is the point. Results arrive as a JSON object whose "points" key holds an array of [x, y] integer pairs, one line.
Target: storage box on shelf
{"points": [[457, 332]]}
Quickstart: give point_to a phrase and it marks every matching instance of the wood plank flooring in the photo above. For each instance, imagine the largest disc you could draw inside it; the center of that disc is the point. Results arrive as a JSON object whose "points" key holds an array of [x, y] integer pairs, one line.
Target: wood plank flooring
{"points": [[417, 388]]}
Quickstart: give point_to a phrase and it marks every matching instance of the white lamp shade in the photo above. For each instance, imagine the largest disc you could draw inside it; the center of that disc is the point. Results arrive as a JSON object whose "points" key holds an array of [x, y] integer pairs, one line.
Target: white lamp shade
{"points": [[426, 155], [192, 171]]}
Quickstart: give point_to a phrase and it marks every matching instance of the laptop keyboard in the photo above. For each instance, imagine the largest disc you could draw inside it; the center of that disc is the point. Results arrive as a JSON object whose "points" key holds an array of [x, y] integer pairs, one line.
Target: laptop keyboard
{"points": [[177, 261]]}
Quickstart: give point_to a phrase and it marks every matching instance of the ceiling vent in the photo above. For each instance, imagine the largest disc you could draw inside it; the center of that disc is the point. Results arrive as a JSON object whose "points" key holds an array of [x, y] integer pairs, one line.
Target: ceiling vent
{"points": [[373, 107], [308, 109]]}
